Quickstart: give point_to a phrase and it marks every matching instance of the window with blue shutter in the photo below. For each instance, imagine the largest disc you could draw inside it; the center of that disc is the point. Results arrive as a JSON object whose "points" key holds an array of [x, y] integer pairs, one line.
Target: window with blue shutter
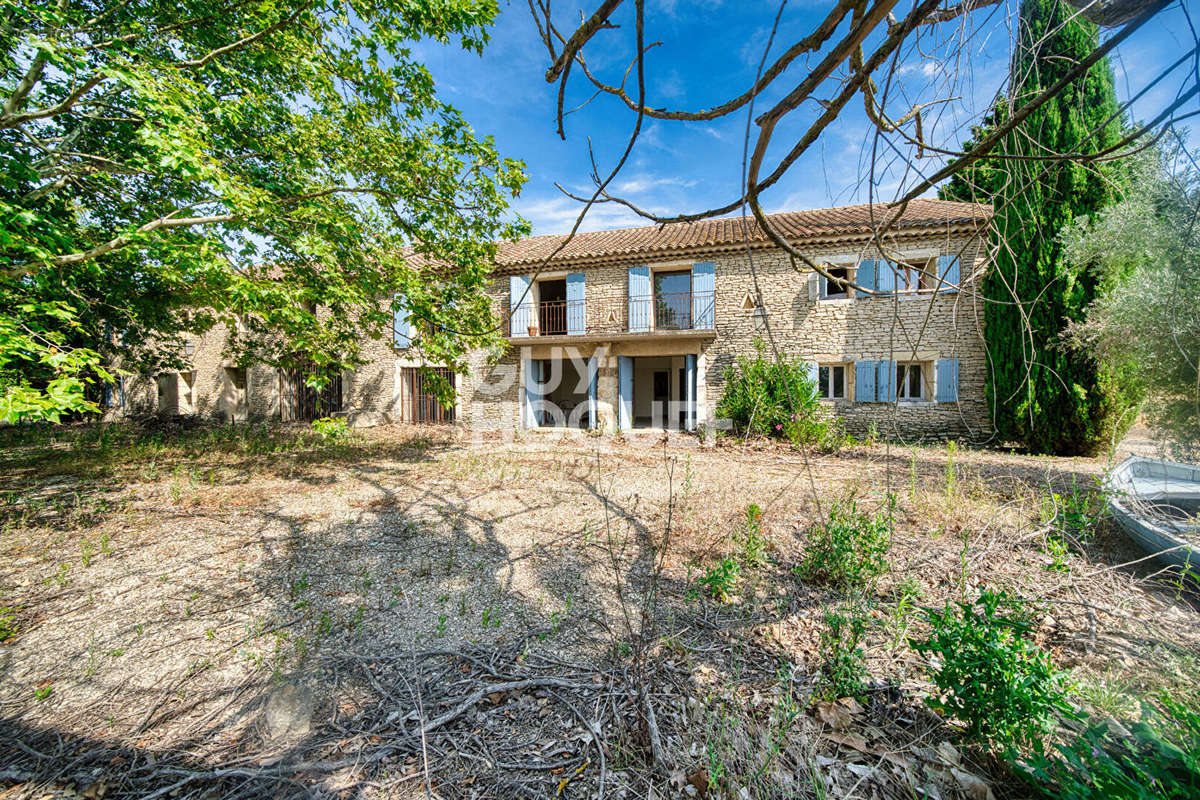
{"points": [[641, 303], [887, 281], [624, 392], [703, 295], [401, 324], [866, 276], [948, 270], [947, 380], [864, 382], [812, 371], [520, 305], [886, 382], [576, 304]]}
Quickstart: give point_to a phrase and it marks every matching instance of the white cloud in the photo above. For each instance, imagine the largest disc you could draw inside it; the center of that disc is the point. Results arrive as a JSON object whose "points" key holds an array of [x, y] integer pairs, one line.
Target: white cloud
{"points": [[642, 183], [558, 214]]}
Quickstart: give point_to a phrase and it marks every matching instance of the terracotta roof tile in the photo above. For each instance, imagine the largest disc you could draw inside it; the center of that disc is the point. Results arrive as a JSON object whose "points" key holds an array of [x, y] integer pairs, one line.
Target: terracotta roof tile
{"points": [[726, 233]]}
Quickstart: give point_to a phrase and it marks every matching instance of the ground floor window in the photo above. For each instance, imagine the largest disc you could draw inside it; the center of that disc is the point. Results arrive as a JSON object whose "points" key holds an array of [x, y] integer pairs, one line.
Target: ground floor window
{"points": [[909, 382], [418, 402], [831, 381], [302, 402]]}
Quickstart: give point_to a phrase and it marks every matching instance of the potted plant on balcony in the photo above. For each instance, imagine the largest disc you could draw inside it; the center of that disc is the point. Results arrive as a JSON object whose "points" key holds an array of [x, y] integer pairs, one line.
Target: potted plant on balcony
{"points": [[533, 329]]}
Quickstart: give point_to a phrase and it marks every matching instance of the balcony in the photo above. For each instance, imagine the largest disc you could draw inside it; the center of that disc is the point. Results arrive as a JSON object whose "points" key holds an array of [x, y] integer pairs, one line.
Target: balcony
{"points": [[676, 311], [551, 318], [688, 314]]}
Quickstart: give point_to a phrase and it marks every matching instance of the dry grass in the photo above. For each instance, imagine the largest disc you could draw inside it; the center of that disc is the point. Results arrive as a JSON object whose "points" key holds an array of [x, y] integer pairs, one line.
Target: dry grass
{"points": [[164, 585]]}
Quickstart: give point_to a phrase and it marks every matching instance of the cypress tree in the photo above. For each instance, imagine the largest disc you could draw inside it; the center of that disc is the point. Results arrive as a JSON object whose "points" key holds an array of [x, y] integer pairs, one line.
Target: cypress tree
{"points": [[1043, 393]]}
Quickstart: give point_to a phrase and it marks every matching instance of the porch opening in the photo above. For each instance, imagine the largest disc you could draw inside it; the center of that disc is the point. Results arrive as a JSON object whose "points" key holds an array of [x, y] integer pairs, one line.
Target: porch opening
{"points": [[560, 393], [418, 402], [658, 392]]}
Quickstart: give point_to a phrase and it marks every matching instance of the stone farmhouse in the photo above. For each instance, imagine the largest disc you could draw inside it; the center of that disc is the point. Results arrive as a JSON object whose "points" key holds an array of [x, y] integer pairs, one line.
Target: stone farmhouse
{"points": [[634, 329]]}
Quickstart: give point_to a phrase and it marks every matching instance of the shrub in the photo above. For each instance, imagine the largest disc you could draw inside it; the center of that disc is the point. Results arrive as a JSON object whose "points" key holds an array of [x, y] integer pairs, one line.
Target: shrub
{"points": [[769, 397], [330, 427], [990, 675], [850, 548], [1160, 761], [722, 579], [843, 672]]}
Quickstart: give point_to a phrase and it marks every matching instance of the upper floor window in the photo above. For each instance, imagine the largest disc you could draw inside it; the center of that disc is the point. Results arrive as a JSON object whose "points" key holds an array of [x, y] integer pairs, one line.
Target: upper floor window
{"points": [[836, 286], [673, 300]]}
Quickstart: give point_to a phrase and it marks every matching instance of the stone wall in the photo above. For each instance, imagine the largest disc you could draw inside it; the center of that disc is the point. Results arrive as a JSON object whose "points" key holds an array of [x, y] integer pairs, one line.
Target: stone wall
{"points": [[759, 296]]}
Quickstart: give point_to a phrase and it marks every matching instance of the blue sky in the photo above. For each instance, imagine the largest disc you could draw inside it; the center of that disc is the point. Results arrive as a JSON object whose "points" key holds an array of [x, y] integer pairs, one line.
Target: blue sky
{"points": [[710, 51]]}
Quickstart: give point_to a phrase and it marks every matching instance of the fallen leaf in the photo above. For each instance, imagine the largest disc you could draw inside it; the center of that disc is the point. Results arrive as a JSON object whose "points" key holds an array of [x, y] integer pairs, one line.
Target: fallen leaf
{"points": [[973, 785], [834, 715]]}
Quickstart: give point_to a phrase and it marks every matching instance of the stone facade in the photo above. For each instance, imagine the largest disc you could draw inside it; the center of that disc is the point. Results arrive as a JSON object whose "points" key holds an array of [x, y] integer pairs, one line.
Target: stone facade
{"points": [[758, 296]]}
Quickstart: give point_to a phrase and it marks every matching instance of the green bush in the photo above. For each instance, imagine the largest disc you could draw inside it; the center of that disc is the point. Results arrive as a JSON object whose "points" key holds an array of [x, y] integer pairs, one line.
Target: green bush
{"points": [[850, 548], [768, 397], [1159, 761], [330, 427], [843, 672], [990, 675]]}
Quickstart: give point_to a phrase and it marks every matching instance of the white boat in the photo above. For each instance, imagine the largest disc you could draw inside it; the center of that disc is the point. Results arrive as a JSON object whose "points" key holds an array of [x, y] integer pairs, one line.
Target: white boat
{"points": [[1158, 504]]}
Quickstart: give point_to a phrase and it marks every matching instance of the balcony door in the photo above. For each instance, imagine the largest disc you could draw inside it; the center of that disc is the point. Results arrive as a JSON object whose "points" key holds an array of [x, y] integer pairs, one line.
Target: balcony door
{"points": [[673, 300], [552, 307]]}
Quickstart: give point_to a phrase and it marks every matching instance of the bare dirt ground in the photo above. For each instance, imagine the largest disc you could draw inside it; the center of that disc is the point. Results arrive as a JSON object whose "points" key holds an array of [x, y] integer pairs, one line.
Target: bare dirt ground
{"points": [[219, 613]]}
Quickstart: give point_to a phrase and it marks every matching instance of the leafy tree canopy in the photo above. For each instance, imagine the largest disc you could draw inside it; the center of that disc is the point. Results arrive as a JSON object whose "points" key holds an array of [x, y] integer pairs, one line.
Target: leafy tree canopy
{"points": [[281, 169], [1043, 393], [1148, 247]]}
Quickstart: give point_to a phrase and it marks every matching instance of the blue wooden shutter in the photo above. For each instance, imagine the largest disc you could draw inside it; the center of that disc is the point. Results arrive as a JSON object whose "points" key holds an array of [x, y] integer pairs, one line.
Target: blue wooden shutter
{"points": [[624, 392], [689, 392], [640, 301], [576, 304], [865, 277], [886, 282], [520, 305], [703, 295], [948, 268], [812, 370], [886, 382], [533, 396], [864, 382], [593, 374], [947, 380], [401, 325]]}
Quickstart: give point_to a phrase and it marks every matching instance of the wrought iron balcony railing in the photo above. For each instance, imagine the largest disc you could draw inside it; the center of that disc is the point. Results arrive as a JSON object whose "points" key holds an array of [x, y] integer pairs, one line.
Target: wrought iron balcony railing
{"points": [[680, 311]]}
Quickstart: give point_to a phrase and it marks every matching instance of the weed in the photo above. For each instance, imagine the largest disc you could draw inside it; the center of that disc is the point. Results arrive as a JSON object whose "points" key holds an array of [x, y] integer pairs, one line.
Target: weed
{"points": [[331, 428], [990, 675], [1156, 757], [490, 619], [1058, 550], [951, 469], [1073, 515], [722, 579], [9, 626], [753, 545], [42, 692], [850, 548], [441, 626], [104, 545], [86, 550], [843, 672]]}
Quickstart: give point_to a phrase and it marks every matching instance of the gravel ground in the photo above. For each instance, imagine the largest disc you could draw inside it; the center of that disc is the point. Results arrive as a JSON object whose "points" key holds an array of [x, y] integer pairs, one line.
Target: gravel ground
{"points": [[167, 603]]}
